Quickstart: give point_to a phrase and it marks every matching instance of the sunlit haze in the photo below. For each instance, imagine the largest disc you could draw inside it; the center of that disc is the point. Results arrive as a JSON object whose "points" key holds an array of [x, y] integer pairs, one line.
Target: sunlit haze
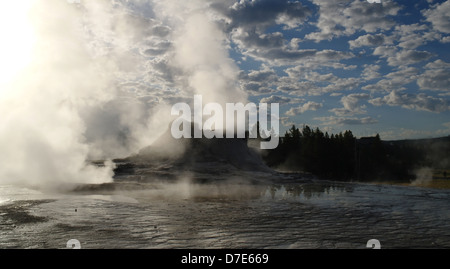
{"points": [[18, 39]]}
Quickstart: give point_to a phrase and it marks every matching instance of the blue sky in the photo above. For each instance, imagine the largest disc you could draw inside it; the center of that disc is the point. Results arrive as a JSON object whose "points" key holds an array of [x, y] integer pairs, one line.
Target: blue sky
{"points": [[367, 67]]}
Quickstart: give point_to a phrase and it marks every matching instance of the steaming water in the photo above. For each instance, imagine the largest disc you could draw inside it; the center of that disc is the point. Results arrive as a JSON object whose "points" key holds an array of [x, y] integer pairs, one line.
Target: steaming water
{"points": [[297, 215]]}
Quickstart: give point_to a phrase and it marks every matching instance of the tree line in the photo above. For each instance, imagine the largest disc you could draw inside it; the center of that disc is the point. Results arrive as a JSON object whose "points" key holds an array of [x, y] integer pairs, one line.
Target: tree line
{"points": [[342, 156]]}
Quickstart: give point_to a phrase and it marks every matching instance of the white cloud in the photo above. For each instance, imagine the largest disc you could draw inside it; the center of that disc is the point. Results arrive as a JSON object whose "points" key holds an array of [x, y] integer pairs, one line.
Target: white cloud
{"points": [[282, 100], [439, 16], [394, 81], [303, 81], [302, 109], [331, 120], [247, 23], [351, 101], [345, 17], [286, 121], [369, 40], [351, 104], [407, 57], [266, 74], [258, 82], [438, 64], [273, 49], [260, 14], [296, 88], [419, 102], [404, 57], [371, 71], [436, 76], [336, 94], [411, 36]]}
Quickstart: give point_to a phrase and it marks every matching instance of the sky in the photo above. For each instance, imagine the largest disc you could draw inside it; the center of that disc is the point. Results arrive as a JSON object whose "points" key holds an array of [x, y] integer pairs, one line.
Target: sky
{"points": [[380, 67], [348, 65], [83, 80]]}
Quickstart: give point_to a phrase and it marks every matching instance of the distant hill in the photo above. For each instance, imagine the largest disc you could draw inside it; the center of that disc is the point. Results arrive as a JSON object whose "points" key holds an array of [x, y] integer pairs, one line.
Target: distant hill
{"points": [[431, 152], [421, 141]]}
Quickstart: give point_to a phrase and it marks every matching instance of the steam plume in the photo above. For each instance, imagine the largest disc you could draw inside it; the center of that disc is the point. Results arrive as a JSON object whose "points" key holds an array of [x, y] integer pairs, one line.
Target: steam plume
{"points": [[100, 82]]}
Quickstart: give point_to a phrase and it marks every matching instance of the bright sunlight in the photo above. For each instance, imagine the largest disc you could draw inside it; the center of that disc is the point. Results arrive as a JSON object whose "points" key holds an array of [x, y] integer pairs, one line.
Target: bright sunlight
{"points": [[17, 39]]}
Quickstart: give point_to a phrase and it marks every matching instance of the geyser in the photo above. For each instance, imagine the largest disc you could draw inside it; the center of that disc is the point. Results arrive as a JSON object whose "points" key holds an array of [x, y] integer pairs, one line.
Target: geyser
{"points": [[213, 127]]}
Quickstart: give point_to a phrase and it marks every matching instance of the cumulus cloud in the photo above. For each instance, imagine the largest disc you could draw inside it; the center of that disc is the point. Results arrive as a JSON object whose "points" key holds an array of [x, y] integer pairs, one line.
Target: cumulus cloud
{"points": [[411, 36], [247, 22], [371, 71], [421, 102], [280, 100], [331, 120], [438, 16], [351, 104], [394, 80], [303, 108], [402, 57], [296, 88], [265, 74], [272, 48], [345, 17], [409, 57], [369, 40], [258, 82], [302, 81], [264, 13], [436, 76]]}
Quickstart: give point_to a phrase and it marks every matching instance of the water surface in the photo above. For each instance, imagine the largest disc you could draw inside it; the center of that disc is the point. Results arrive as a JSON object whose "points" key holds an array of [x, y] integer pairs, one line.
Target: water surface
{"points": [[314, 214]]}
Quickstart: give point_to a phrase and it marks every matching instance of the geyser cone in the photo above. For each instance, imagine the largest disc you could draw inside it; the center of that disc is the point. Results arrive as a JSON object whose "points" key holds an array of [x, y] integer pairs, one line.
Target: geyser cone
{"points": [[198, 157]]}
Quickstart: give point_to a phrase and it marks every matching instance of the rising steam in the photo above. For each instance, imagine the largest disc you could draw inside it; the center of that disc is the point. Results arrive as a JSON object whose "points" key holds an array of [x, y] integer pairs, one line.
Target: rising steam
{"points": [[200, 52], [96, 80]]}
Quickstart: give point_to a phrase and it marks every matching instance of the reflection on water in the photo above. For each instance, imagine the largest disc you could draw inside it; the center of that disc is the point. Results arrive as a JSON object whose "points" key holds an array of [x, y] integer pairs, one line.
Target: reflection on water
{"points": [[220, 191], [307, 191], [9, 194], [183, 215]]}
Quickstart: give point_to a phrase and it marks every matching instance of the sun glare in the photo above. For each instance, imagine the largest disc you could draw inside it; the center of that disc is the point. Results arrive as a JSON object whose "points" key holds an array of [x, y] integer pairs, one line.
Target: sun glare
{"points": [[17, 39]]}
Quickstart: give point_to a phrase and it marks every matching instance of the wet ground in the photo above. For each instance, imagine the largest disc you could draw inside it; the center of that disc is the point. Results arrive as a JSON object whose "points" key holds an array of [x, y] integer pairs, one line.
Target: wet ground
{"points": [[313, 214]]}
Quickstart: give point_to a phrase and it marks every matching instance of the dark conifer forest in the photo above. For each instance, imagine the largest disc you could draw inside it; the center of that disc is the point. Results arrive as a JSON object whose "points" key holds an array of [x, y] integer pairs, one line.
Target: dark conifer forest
{"points": [[342, 156]]}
